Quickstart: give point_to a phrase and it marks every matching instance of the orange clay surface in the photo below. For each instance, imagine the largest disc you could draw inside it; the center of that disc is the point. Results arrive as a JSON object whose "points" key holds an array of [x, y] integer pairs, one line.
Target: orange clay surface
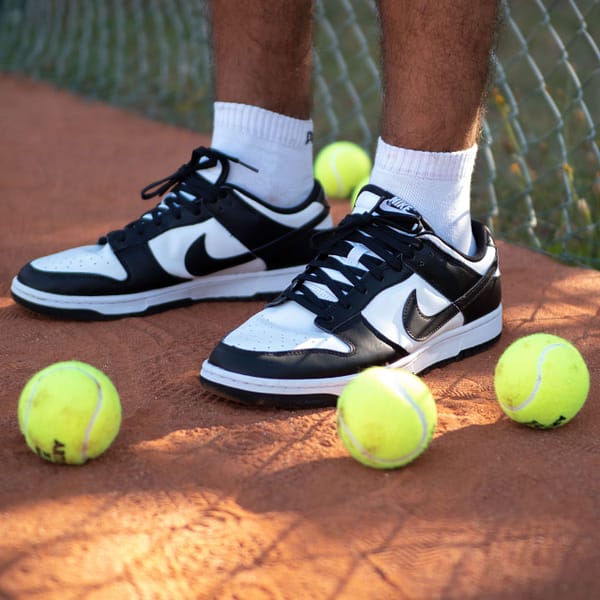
{"points": [[199, 498]]}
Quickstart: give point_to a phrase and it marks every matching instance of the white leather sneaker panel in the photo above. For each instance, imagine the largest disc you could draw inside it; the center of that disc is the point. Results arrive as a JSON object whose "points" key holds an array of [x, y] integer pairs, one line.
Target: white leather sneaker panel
{"points": [[385, 311], [480, 266], [295, 219], [171, 247], [285, 327], [94, 260]]}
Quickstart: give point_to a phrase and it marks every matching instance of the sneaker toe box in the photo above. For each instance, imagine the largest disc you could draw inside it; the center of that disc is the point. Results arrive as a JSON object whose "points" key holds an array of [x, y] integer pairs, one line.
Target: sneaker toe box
{"points": [[285, 328], [89, 260], [73, 271]]}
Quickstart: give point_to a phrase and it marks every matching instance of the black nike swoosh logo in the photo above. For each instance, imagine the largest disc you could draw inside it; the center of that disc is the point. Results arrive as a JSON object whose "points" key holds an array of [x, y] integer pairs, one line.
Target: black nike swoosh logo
{"points": [[198, 262], [421, 327]]}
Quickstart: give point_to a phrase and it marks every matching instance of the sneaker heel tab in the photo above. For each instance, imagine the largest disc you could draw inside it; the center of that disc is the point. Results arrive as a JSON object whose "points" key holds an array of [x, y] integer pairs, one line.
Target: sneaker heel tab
{"points": [[483, 240]]}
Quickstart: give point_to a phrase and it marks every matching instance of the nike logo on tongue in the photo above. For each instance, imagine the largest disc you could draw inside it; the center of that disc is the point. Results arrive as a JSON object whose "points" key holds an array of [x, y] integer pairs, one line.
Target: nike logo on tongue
{"points": [[398, 206], [373, 198]]}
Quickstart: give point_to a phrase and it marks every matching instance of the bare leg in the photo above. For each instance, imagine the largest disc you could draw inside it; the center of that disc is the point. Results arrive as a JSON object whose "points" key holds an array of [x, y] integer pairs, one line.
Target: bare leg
{"points": [[436, 62], [436, 59], [263, 53]]}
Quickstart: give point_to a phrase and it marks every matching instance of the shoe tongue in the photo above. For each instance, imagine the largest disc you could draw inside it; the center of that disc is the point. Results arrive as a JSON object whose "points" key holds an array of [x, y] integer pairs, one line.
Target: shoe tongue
{"points": [[367, 200], [377, 201], [374, 199], [211, 174], [396, 206]]}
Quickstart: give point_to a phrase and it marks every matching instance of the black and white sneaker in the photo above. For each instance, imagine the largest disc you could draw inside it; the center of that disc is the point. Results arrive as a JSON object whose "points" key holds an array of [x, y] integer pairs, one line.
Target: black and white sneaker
{"points": [[206, 239], [384, 290]]}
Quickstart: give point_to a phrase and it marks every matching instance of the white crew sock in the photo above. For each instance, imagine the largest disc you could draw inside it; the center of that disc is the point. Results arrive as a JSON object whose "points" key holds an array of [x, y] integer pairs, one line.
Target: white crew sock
{"points": [[437, 184], [278, 146]]}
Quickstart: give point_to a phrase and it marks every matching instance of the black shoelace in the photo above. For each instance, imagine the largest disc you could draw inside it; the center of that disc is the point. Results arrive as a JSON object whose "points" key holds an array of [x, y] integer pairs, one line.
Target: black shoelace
{"points": [[185, 179], [389, 238]]}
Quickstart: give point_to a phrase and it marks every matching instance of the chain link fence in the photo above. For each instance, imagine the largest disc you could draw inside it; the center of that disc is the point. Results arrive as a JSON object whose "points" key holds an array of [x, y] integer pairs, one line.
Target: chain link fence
{"points": [[537, 179]]}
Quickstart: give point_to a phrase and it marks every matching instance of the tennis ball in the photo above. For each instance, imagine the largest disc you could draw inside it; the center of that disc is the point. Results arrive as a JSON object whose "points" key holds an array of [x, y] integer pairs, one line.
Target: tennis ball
{"points": [[359, 186], [340, 166], [69, 412], [541, 380], [386, 417]]}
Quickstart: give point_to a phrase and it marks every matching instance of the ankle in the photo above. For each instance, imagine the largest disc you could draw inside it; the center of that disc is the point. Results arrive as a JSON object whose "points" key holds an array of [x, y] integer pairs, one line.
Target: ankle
{"points": [[437, 184], [278, 146]]}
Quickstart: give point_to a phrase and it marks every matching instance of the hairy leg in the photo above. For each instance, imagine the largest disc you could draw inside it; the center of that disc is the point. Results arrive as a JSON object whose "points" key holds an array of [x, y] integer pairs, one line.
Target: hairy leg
{"points": [[263, 54], [436, 58]]}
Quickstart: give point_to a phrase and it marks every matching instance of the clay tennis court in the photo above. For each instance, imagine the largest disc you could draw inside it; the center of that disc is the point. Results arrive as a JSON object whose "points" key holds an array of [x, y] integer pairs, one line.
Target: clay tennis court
{"points": [[199, 498]]}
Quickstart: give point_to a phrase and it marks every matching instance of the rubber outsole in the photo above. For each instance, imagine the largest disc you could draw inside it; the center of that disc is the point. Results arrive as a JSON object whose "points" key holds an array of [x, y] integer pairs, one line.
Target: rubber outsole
{"points": [[260, 285], [92, 315], [311, 401]]}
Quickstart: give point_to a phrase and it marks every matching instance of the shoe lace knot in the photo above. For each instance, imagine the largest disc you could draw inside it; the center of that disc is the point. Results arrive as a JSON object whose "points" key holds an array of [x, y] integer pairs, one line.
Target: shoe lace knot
{"points": [[362, 248], [186, 190]]}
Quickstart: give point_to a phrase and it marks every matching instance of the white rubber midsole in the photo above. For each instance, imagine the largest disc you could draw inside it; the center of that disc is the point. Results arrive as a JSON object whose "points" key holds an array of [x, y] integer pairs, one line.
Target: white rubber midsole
{"points": [[432, 352], [237, 285]]}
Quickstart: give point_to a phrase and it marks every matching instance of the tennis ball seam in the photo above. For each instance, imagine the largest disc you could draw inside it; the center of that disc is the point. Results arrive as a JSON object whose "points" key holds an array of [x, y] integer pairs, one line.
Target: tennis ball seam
{"points": [[406, 457], [28, 405], [92, 421], [538, 378]]}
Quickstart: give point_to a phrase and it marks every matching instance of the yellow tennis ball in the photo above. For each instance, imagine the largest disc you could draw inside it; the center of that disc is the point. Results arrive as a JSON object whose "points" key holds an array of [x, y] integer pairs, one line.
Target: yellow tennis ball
{"points": [[340, 166], [542, 381], [386, 417], [69, 412]]}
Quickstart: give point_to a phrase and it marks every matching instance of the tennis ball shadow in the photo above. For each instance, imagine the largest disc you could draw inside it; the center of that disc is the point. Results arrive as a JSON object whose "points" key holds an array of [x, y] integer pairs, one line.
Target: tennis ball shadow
{"points": [[476, 471]]}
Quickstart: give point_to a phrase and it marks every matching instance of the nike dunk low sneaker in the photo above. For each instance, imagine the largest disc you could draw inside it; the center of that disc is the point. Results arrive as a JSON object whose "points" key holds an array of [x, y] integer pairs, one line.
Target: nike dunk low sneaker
{"points": [[206, 239], [384, 289]]}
